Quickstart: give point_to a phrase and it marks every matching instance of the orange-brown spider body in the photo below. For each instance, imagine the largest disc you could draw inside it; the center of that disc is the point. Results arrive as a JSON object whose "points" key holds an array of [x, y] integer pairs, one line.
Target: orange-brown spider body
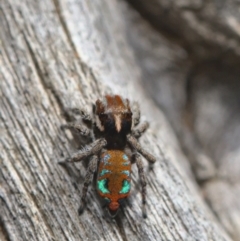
{"points": [[114, 177], [115, 132]]}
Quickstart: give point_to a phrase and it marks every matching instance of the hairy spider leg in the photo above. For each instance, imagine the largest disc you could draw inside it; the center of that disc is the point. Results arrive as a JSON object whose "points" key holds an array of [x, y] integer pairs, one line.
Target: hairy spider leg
{"points": [[136, 113], [79, 128], [83, 113], [92, 168], [138, 160], [136, 145], [138, 131], [87, 151]]}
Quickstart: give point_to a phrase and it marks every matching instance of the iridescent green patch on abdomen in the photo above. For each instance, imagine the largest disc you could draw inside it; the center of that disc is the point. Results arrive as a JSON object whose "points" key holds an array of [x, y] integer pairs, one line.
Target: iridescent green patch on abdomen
{"points": [[102, 186], [125, 187], [103, 172]]}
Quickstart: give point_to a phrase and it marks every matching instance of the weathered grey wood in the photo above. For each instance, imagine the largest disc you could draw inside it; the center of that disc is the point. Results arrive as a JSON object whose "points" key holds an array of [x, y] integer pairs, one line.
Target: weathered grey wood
{"points": [[192, 69], [206, 29], [60, 54]]}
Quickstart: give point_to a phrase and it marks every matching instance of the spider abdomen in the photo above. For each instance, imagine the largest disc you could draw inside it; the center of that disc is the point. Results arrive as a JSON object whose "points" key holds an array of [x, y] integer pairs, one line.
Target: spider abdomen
{"points": [[114, 177]]}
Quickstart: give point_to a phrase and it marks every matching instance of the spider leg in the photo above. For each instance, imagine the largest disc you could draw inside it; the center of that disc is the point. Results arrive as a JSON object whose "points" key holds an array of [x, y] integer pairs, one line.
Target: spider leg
{"points": [[83, 113], [88, 150], [136, 145], [92, 168], [136, 114], [137, 159], [79, 128], [138, 131]]}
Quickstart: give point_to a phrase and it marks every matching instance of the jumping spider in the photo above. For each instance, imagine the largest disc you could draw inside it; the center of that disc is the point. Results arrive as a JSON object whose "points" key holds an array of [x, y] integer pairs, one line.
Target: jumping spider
{"points": [[114, 132]]}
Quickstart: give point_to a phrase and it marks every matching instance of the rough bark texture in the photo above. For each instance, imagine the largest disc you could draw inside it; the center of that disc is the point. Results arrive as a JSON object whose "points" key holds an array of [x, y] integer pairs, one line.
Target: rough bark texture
{"points": [[193, 71], [60, 54]]}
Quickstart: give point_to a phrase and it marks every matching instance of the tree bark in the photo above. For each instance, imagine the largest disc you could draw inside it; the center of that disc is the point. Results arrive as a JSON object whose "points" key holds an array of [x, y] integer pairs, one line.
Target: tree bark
{"points": [[60, 54], [193, 71]]}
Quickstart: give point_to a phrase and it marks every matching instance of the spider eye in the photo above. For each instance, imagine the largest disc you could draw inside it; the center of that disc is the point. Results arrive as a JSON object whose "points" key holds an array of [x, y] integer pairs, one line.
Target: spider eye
{"points": [[125, 187], [103, 186]]}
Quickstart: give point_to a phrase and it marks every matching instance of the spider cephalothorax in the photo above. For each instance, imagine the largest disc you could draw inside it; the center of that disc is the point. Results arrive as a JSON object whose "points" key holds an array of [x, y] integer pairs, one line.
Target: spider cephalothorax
{"points": [[114, 148], [113, 121]]}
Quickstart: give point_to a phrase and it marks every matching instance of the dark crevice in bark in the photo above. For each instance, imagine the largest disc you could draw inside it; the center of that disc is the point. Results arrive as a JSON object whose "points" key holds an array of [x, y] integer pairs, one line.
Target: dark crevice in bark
{"points": [[3, 230]]}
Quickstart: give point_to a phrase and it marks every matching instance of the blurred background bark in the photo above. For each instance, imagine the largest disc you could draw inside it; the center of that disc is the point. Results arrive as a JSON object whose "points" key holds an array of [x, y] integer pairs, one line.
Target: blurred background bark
{"points": [[179, 59]]}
